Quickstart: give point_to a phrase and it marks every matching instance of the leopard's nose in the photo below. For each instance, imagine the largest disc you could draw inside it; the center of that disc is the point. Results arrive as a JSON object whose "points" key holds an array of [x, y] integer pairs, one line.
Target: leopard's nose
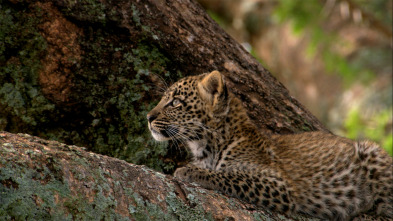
{"points": [[151, 117]]}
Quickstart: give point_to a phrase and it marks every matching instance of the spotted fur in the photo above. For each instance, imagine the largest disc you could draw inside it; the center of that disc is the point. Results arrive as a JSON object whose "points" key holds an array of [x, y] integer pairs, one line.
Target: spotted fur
{"points": [[315, 173]]}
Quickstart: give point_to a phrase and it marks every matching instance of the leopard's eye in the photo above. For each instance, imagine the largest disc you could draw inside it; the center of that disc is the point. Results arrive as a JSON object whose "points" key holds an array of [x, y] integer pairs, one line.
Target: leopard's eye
{"points": [[176, 102]]}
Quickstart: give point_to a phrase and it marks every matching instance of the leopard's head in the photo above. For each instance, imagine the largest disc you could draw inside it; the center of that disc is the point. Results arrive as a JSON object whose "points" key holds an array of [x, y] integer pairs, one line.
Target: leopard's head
{"points": [[187, 107]]}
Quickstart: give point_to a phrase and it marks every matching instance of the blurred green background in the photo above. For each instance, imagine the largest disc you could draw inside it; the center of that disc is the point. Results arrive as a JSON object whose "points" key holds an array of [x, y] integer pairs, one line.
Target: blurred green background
{"points": [[334, 56]]}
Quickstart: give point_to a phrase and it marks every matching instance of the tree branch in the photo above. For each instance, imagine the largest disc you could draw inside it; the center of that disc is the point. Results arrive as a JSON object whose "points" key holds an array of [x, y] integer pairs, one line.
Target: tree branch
{"points": [[41, 180]]}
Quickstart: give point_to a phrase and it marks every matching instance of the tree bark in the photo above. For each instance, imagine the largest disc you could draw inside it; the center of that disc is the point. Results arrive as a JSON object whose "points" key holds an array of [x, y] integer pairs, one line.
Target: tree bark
{"points": [[48, 180]]}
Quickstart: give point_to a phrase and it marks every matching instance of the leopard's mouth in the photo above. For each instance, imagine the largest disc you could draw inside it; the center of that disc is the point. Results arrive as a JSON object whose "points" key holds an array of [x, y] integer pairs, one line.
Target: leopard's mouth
{"points": [[163, 134], [159, 136]]}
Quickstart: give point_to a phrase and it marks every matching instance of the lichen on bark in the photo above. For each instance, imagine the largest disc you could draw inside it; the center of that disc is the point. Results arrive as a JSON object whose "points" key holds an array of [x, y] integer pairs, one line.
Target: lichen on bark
{"points": [[48, 180]]}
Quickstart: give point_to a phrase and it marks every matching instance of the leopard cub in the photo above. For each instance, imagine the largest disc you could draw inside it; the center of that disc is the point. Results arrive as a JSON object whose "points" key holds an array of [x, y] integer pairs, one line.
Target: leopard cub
{"points": [[314, 173]]}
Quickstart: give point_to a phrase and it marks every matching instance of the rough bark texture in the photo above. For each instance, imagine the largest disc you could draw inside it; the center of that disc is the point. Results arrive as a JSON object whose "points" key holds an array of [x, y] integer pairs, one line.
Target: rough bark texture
{"points": [[48, 180]]}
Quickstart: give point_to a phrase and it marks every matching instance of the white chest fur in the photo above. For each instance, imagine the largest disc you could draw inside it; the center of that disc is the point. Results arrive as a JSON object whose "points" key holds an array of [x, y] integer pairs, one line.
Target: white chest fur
{"points": [[201, 158]]}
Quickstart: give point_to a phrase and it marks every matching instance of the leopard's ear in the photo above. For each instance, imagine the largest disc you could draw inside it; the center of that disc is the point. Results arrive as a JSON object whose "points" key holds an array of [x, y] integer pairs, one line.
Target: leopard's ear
{"points": [[212, 87]]}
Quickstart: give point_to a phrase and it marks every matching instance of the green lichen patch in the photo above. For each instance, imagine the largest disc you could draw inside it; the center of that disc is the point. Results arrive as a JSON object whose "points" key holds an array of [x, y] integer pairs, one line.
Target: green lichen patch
{"points": [[22, 105], [145, 210], [44, 183], [186, 212], [26, 198], [117, 98]]}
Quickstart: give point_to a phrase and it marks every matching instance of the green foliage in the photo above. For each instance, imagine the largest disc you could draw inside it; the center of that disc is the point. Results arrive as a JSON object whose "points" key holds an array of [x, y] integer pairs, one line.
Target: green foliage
{"points": [[301, 14], [377, 129], [217, 18], [379, 8], [307, 18]]}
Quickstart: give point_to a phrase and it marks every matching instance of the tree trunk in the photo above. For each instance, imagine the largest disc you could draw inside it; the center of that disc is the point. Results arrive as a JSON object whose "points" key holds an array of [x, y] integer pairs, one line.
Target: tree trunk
{"points": [[86, 73]]}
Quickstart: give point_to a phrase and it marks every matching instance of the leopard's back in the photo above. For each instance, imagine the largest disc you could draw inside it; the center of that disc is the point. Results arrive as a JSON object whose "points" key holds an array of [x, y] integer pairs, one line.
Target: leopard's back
{"points": [[335, 175]]}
